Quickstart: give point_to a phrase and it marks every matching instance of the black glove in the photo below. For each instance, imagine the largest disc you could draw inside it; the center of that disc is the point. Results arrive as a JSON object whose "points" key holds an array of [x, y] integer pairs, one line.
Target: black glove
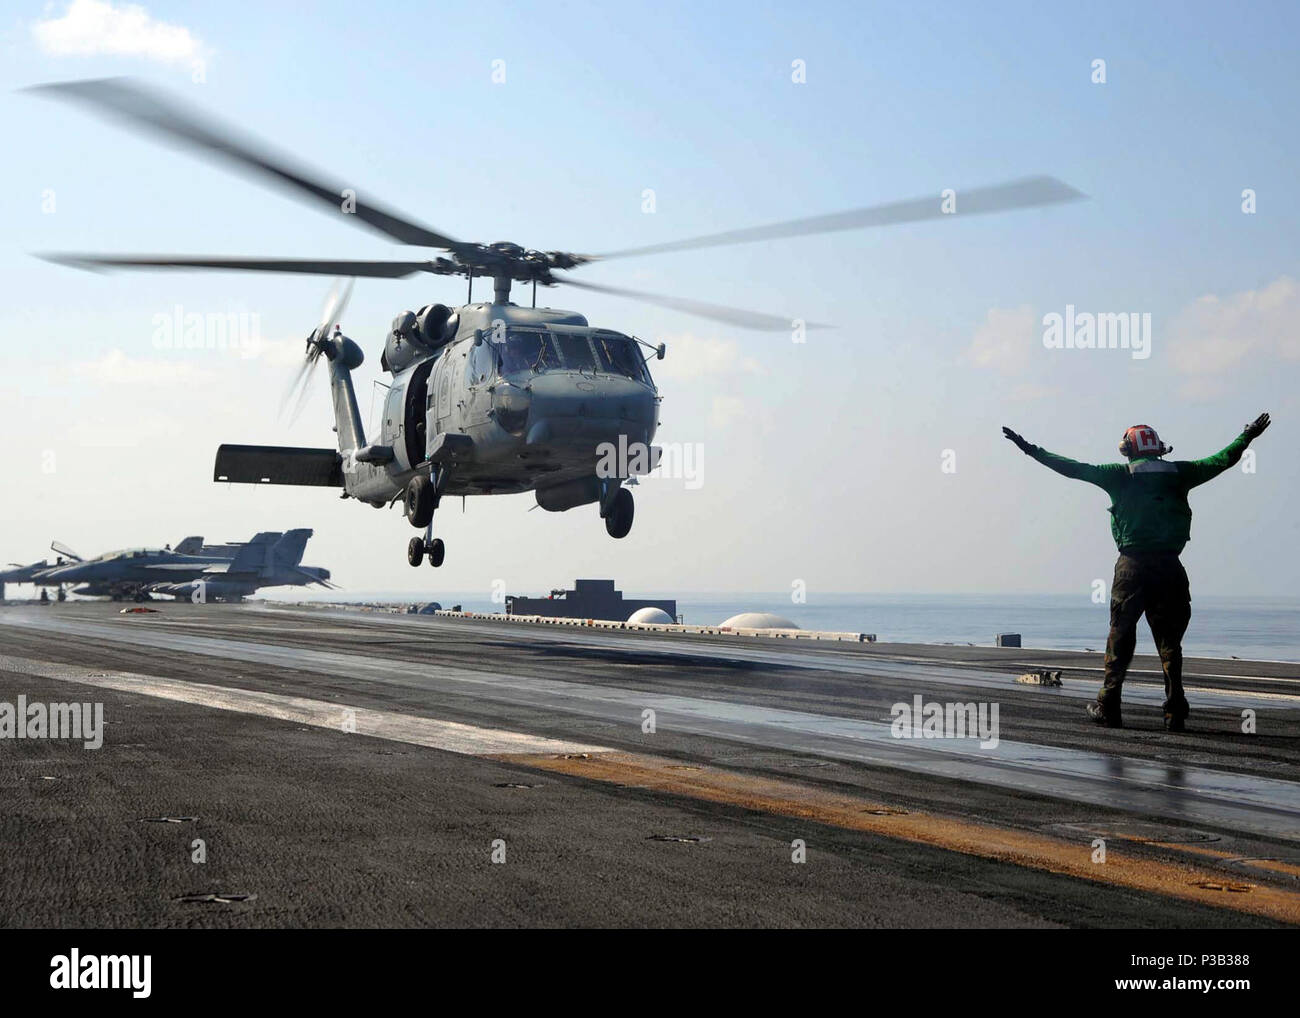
{"points": [[1257, 427], [1021, 444]]}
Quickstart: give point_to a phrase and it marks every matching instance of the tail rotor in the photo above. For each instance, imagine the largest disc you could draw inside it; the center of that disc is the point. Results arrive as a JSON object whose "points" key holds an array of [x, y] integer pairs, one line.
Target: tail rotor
{"points": [[336, 303]]}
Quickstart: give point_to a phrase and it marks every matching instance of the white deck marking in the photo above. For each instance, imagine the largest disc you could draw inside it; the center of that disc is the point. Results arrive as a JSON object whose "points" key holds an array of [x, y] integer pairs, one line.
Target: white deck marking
{"points": [[450, 736]]}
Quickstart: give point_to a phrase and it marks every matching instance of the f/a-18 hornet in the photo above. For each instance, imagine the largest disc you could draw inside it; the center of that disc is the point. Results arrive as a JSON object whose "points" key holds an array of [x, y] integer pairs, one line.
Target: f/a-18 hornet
{"points": [[197, 573]]}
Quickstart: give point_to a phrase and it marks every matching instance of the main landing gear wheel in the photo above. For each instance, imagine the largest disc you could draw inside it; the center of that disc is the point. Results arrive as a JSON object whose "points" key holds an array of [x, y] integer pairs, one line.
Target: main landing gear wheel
{"points": [[420, 502], [418, 547], [619, 521]]}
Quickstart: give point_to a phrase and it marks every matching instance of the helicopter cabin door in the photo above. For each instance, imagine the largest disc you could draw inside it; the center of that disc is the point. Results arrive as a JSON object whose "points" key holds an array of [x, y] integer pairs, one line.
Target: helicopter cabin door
{"points": [[441, 393]]}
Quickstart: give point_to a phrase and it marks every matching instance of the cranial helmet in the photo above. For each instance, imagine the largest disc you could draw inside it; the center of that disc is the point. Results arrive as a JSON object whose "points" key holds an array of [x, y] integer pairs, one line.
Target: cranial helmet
{"points": [[1142, 440]]}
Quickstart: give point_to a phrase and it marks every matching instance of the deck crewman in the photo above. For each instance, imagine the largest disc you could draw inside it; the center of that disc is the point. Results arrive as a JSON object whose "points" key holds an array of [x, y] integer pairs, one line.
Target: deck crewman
{"points": [[1151, 522]]}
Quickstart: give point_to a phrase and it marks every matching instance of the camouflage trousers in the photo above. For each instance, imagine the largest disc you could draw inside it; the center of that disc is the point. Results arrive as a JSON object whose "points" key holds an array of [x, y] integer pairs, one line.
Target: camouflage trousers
{"points": [[1154, 584]]}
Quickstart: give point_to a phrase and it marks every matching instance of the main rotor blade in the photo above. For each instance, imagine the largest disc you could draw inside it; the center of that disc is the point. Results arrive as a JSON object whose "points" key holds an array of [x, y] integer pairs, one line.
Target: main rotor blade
{"points": [[153, 111], [313, 266], [1017, 194], [717, 312]]}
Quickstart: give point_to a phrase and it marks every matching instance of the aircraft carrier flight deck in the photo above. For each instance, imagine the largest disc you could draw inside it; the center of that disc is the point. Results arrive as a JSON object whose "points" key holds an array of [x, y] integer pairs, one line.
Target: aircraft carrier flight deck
{"points": [[277, 766]]}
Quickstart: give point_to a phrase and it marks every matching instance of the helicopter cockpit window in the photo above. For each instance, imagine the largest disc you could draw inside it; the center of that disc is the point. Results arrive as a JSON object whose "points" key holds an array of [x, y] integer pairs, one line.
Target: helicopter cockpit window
{"points": [[575, 350], [619, 355], [483, 362], [528, 350]]}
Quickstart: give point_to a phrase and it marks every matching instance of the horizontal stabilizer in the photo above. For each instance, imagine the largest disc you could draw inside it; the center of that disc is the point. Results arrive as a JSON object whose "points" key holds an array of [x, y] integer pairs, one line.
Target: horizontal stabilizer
{"points": [[278, 464]]}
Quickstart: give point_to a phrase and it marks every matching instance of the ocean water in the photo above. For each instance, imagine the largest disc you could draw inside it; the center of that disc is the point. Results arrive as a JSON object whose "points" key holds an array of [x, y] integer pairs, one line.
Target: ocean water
{"points": [[1257, 628]]}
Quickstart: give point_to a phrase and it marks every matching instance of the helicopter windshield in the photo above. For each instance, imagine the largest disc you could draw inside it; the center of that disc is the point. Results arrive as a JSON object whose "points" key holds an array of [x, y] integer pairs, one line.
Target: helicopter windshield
{"points": [[575, 350], [528, 350], [619, 355]]}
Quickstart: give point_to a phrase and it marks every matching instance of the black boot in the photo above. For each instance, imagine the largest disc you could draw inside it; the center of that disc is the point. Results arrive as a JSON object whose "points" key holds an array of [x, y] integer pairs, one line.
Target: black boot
{"points": [[1101, 716], [1175, 723]]}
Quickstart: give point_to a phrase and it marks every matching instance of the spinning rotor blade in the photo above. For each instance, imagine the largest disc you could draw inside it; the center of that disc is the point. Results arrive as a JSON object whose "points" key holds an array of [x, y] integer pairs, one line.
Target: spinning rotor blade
{"points": [[313, 266], [335, 304], [295, 396], [717, 312], [1017, 194], [145, 108]]}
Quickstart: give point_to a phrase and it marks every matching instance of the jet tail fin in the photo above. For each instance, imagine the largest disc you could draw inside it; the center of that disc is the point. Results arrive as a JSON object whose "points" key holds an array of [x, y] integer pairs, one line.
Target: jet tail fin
{"points": [[254, 556], [189, 546], [289, 550]]}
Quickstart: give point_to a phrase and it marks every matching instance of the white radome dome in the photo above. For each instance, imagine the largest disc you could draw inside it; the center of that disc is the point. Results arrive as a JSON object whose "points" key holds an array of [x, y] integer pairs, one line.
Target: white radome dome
{"points": [[758, 620], [651, 616]]}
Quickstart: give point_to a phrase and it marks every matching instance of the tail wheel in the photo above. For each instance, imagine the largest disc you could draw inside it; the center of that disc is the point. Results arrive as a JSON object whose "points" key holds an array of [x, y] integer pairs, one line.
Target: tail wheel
{"points": [[415, 551], [437, 552], [619, 521], [419, 502]]}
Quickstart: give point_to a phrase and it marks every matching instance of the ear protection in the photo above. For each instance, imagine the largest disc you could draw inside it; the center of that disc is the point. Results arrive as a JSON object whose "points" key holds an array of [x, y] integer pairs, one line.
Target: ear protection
{"points": [[1142, 440]]}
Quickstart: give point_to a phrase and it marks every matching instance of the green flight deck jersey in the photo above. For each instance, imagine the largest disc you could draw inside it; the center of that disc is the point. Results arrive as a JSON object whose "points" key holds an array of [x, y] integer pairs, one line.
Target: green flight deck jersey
{"points": [[1148, 495]]}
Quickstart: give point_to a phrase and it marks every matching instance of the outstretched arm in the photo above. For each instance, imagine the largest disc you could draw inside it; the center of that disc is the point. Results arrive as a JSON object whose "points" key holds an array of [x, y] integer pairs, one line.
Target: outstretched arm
{"points": [[1090, 472], [1200, 471]]}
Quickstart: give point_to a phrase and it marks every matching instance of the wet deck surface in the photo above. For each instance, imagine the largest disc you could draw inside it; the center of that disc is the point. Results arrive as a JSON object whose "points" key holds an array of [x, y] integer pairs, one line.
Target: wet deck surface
{"points": [[757, 744]]}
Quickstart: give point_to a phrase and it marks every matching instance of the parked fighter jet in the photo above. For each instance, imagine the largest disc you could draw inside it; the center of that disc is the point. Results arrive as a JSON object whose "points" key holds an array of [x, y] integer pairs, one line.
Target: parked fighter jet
{"points": [[226, 572], [269, 563], [34, 572], [27, 574]]}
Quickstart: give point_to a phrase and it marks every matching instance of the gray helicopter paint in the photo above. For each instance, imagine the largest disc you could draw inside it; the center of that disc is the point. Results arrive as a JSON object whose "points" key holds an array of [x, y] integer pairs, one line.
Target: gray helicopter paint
{"points": [[570, 413]]}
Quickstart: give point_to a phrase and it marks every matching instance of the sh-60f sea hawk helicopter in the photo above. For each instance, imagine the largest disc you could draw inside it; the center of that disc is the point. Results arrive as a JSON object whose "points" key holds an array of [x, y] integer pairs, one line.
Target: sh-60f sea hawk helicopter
{"points": [[491, 397]]}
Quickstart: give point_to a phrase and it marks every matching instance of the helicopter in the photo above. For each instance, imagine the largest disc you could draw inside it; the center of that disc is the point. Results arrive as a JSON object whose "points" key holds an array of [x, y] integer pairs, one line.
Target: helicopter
{"points": [[490, 397]]}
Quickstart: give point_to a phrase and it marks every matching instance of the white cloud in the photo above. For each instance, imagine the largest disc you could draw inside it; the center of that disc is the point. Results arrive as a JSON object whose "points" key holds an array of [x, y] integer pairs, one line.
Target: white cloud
{"points": [[1214, 334], [94, 27], [726, 409], [1030, 392], [691, 356], [1006, 339], [116, 368]]}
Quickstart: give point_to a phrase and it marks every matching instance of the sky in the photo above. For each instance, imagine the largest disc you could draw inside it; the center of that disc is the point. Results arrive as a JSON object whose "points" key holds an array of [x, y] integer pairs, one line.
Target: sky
{"points": [[867, 458]]}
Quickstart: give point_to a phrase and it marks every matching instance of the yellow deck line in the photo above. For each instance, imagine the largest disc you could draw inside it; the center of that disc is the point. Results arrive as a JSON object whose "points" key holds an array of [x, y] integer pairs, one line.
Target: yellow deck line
{"points": [[1184, 881]]}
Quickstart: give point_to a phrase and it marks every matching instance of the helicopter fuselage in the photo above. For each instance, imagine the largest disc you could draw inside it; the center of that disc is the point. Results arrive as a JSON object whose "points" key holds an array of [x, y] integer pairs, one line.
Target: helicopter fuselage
{"points": [[517, 399]]}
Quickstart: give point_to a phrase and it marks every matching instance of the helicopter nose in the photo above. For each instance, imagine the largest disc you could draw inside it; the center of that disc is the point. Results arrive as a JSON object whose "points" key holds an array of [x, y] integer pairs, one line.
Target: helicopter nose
{"points": [[583, 406]]}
